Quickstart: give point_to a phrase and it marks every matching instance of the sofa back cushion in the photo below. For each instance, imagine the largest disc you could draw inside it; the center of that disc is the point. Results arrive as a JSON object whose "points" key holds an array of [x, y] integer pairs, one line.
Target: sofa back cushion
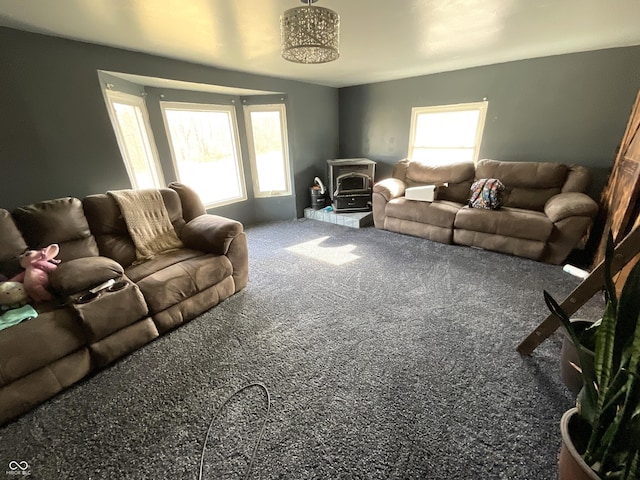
{"points": [[192, 205], [578, 179], [11, 245], [173, 205], [110, 229], [528, 185], [60, 221], [459, 176]]}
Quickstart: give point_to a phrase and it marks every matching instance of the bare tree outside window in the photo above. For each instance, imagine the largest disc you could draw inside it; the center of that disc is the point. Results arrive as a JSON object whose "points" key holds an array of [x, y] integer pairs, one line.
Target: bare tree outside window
{"points": [[204, 145]]}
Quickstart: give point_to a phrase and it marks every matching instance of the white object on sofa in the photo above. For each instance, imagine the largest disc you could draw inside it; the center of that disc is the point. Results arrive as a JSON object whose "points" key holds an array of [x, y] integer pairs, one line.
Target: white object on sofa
{"points": [[423, 193]]}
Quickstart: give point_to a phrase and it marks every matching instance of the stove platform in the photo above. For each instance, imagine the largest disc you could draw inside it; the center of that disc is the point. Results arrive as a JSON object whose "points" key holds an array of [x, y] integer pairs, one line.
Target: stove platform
{"points": [[353, 220]]}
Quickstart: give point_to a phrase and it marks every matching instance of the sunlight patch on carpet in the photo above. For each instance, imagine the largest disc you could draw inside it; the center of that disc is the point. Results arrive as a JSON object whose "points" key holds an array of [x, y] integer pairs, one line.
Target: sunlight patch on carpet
{"points": [[334, 255]]}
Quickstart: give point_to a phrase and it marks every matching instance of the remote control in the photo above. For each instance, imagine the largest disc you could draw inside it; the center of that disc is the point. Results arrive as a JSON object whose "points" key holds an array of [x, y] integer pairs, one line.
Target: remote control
{"points": [[102, 286]]}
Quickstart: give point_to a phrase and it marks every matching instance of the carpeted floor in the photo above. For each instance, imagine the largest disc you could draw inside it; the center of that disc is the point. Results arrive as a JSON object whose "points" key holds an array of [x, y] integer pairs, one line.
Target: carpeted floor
{"points": [[397, 360]]}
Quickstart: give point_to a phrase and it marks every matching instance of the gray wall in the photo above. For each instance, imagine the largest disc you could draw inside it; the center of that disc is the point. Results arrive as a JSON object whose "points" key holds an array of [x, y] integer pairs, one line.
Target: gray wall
{"points": [[568, 108], [56, 139]]}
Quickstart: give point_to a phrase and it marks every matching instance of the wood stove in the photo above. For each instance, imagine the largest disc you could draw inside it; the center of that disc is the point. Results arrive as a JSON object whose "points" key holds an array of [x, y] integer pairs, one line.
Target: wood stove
{"points": [[351, 184]]}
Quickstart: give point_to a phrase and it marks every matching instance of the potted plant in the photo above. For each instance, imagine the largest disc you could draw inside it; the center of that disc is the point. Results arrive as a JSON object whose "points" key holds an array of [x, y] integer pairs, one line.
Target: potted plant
{"points": [[570, 364], [604, 429]]}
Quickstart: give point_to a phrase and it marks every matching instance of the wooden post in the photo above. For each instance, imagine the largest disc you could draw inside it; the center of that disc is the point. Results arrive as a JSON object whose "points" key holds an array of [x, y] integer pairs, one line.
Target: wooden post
{"points": [[627, 249]]}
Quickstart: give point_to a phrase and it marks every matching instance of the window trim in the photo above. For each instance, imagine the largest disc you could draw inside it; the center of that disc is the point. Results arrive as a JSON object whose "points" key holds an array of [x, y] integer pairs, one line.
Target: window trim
{"points": [[281, 109], [480, 106], [112, 96], [209, 107]]}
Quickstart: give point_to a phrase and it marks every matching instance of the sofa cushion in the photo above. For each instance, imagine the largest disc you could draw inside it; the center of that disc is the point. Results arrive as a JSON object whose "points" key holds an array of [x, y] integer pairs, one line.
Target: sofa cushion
{"points": [[507, 222], [164, 281], [578, 179], [192, 205], [83, 273], [528, 185], [35, 343], [438, 213], [110, 229], [459, 176], [141, 270], [28, 391], [173, 205], [11, 245], [60, 221], [420, 173]]}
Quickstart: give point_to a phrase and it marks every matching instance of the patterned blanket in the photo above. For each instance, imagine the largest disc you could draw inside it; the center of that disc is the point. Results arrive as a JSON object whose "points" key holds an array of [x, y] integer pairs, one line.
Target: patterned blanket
{"points": [[147, 221]]}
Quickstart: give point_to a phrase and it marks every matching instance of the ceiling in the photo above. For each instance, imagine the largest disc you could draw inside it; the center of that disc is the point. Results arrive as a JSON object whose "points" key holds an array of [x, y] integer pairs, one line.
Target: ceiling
{"points": [[379, 39]]}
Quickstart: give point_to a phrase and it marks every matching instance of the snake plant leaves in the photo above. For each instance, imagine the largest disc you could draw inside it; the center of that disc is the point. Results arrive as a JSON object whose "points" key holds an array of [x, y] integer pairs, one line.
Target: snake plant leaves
{"points": [[610, 398]]}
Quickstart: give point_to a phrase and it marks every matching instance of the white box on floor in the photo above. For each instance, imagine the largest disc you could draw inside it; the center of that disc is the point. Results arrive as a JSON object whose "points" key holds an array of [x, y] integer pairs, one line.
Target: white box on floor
{"points": [[425, 193]]}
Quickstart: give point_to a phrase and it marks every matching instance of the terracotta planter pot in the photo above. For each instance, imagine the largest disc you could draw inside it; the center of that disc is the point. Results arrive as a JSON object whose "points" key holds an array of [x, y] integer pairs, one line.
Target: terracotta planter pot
{"points": [[575, 434], [572, 376]]}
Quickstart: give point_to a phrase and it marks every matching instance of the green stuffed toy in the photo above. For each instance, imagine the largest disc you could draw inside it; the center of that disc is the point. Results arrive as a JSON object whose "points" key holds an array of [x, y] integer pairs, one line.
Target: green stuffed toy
{"points": [[12, 295]]}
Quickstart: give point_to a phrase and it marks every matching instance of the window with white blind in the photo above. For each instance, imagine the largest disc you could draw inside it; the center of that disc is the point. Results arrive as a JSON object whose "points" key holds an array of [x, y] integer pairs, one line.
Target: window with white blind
{"points": [[131, 125], [447, 134], [206, 151], [267, 138]]}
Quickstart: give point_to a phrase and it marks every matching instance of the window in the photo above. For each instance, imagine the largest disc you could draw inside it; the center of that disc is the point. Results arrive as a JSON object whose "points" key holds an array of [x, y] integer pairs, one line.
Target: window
{"points": [[267, 135], [205, 149], [447, 134], [131, 124]]}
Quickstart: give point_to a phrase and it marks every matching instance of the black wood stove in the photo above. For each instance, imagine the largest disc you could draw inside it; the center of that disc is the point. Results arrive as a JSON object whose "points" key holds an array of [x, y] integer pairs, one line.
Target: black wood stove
{"points": [[351, 184]]}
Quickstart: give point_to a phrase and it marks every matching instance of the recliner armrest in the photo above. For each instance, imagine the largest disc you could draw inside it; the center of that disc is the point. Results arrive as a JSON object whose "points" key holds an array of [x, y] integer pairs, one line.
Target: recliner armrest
{"points": [[210, 233], [390, 188], [570, 204], [83, 273]]}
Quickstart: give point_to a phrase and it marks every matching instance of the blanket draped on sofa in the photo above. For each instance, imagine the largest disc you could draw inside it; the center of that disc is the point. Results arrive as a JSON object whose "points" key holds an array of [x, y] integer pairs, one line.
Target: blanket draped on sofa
{"points": [[147, 221]]}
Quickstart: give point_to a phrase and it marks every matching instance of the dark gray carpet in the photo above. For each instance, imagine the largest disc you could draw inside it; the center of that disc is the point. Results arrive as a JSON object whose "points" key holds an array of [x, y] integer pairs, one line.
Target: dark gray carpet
{"points": [[398, 364]]}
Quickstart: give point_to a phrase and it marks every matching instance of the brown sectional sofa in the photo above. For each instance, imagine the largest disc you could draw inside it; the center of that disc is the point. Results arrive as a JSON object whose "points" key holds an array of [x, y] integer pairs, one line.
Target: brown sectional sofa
{"points": [[71, 338], [545, 212]]}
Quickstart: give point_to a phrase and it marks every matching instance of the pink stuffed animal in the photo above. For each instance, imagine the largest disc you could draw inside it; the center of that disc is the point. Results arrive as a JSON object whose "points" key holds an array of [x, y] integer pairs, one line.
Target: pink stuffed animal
{"points": [[37, 265]]}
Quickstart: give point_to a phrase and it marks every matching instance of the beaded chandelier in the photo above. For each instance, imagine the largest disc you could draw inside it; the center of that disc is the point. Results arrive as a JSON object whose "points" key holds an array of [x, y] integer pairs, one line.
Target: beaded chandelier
{"points": [[310, 34]]}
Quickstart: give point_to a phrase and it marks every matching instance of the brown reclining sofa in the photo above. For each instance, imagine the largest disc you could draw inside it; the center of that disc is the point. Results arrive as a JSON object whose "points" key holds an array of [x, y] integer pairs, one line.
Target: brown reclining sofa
{"points": [[545, 213], [72, 337]]}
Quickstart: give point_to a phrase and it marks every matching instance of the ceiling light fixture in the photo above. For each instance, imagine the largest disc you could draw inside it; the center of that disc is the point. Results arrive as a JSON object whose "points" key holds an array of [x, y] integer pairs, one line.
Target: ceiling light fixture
{"points": [[310, 34]]}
